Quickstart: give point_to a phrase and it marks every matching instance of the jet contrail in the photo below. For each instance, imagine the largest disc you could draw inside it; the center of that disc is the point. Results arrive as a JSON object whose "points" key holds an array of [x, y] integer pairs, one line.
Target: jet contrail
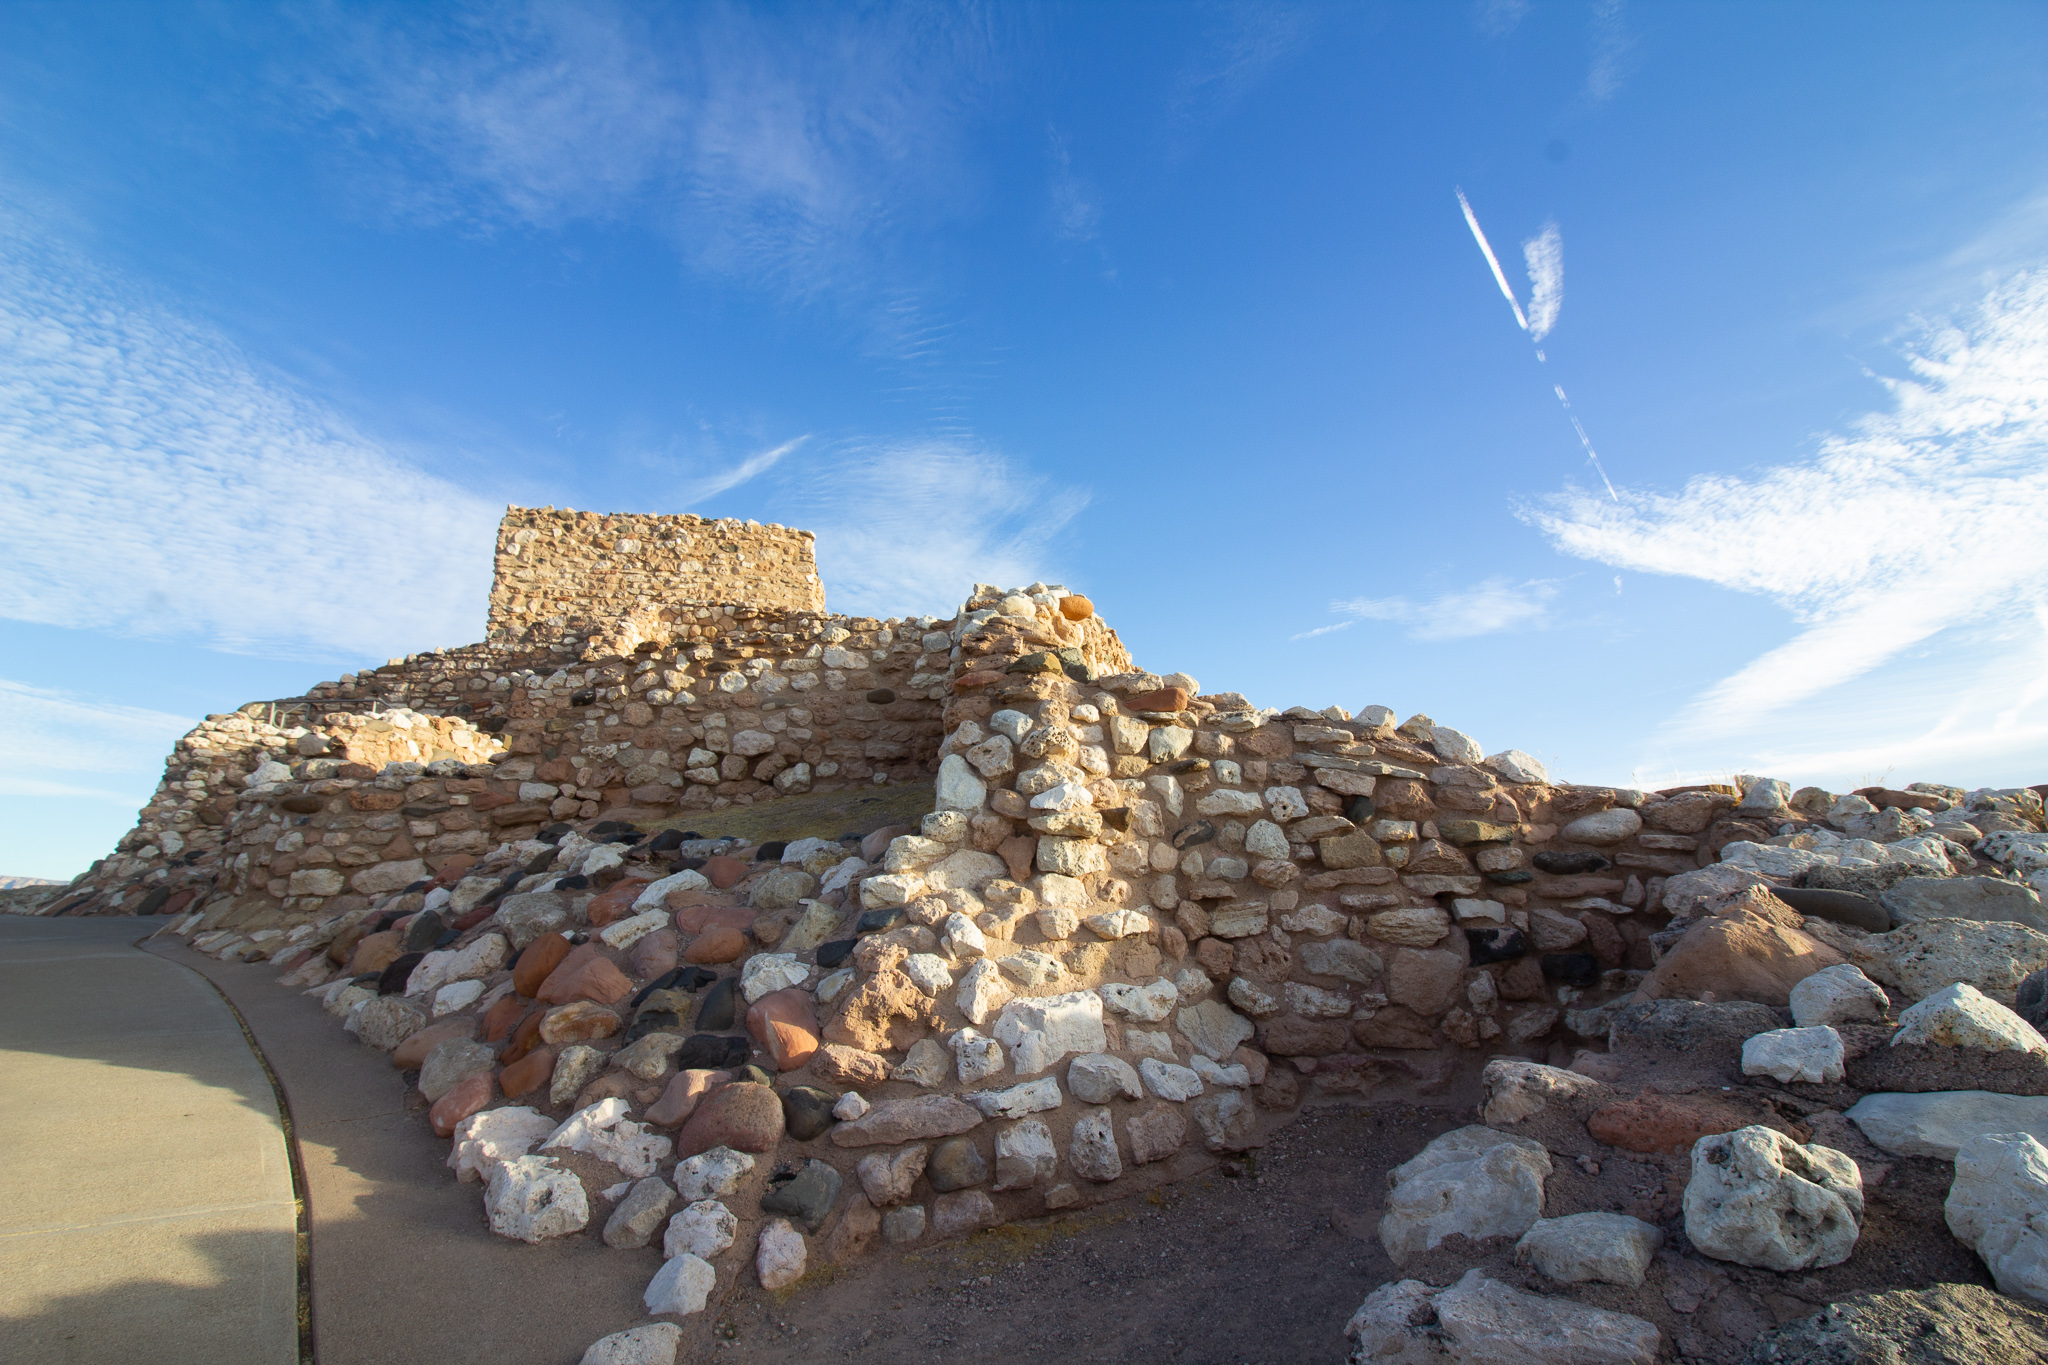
{"points": [[1521, 320], [1486, 249]]}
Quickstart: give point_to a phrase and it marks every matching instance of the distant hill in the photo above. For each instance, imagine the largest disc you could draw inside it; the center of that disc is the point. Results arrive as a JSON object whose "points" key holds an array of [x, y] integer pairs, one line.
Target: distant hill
{"points": [[14, 883]]}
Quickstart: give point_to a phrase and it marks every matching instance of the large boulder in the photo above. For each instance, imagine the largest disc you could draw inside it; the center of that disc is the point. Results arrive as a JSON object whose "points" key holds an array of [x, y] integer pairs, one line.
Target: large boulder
{"points": [[1923, 957], [1942, 1324], [1963, 1016], [1998, 1207], [1758, 1198], [531, 1199], [1480, 1321], [1472, 1181], [1983, 899], [1611, 1247], [1937, 1123], [1754, 950]]}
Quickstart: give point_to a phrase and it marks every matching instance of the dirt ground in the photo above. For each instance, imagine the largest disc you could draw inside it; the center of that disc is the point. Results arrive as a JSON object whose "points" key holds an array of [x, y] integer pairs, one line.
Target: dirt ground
{"points": [[1265, 1268], [813, 815]]}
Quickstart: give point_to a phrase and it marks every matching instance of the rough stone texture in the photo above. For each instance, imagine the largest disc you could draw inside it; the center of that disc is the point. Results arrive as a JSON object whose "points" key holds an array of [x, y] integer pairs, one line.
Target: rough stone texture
{"points": [[1025, 1156], [1938, 1123], [1812, 1055], [1099, 1078], [633, 1222], [1758, 1198], [1963, 1016], [1998, 1207], [702, 1229], [483, 1141], [1840, 994], [962, 1211], [654, 1344], [1741, 955], [1487, 1323], [744, 1117], [1611, 1247], [531, 1199], [1091, 1151], [1984, 899], [1943, 1324], [1516, 1089], [911, 1120], [888, 1177], [1039, 1032], [1928, 955], [1471, 1181], [779, 1260]]}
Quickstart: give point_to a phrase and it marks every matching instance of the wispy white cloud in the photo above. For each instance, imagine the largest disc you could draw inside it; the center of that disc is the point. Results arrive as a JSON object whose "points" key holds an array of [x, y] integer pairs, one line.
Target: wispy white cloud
{"points": [[1076, 216], [1486, 608], [710, 486], [59, 744], [1613, 50], [909, 527], [1918, 520], [1240, 43], [1499, 18], [1544, 255], [158, 482]]}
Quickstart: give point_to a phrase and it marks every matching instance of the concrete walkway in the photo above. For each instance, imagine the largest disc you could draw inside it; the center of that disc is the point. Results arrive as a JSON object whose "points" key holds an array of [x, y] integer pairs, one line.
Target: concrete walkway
{"points": [[404, 1265], [146, 1203]]}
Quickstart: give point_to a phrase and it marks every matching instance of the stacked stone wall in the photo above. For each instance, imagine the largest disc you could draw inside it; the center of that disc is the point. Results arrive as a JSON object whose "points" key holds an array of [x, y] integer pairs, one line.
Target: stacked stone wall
{"points": [[561, 573]]}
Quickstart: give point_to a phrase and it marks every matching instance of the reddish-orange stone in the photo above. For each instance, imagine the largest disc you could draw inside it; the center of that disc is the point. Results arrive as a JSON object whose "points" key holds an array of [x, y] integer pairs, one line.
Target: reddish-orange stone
{"points": [[542, 956], [695, 919], [375, 952], [716, 945], [1165, 699], [530, 1072], [615, 904], [581, 1021], [523, 1038], [784, 1023], [454, 868], [723, 871], [408, 1055], [742, 1116], [468, 1096], [500, 1018], [585, 974]]}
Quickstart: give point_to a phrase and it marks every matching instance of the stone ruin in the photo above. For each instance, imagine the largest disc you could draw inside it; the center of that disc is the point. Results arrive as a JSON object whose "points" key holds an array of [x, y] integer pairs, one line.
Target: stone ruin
{"points": [[1141, 926]]}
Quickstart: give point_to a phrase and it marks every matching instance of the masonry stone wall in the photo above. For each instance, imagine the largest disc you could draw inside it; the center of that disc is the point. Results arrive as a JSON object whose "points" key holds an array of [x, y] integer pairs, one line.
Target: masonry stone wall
{"points": [[562, 573]]}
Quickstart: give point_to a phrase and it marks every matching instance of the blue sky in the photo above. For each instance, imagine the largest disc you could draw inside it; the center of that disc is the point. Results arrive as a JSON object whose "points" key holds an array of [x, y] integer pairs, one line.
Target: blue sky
{"points": [[1174, 304]]}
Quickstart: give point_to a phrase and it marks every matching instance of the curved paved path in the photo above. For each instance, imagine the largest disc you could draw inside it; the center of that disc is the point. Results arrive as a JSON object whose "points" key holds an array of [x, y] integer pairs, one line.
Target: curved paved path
{"points": [[146, 1202]]}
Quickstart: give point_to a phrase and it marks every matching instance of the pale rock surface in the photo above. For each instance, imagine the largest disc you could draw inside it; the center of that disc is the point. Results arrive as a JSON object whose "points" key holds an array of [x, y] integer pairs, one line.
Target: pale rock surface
{"points": [[1236, 1076], [1515, 1089], [715, 1174], [1610, 1247], [1029, 968], [531, 1199], [1121, 923], [1213, 1029], [975, 1056], [1030, 1097], [888, 1177], [1146, 1004], [1025, 1156], [1938, 1123], [702, 1229], [1487, 1323], [924, 1065], [780, 1258], [1473, 1181], [851, 1105], [1603, 827], [625, 933], [1813, 1055], [682, 1285], [1396, 1325], [1091, 1151], [766, 973], [1758, 1198], [928, 972], [1168, 1081], [1998, 1207], [1930, 955], [483, 1141], [1098, 1078], [1841, 994], [634, 1220], [654, 1344], [602, 1130], [1040, 1031], [1963, 1016]]}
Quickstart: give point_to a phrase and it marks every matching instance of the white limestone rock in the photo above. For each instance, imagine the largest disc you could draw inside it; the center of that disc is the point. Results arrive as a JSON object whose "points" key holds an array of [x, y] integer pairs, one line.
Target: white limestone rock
{"points": [[634, 1220], [851, 1106], [1091, 1151], [1039, 1032], [1098, 1078], [1610, 1247], [486, 1140], [1963, 1016], [702, 1229], [715, 1174], [983, 991], [1515, 766], [959, 787], [1236, 1076], [1484, 1322], [1603, 827], [780, 1259], [1213, 1029], [1813, 1055], [655, 896], [1125, 922], [928, 972], [1029, 968], [1147, 1004], [1841, 994], [962, 939], [1031, 1097], [531, 1199], [766, 973], [625, 933], [1758, 1198], [1168, 1081], [602, 1130], [1998, 1207], [654, 1344], [1396, 1325], [1515, 1089], [976, 1056], [681, 1286], [1025, 1156], [1938, 1123], [1473, 1181]]}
